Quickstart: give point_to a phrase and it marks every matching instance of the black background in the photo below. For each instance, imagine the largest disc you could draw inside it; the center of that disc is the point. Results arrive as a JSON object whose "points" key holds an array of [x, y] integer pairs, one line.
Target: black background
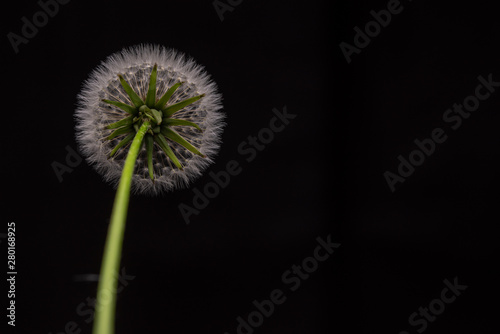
{"points": [[323, 175]]}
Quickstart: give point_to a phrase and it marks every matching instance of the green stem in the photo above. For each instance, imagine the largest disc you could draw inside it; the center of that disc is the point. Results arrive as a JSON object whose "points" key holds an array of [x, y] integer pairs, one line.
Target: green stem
{"points": [[104, 321]]}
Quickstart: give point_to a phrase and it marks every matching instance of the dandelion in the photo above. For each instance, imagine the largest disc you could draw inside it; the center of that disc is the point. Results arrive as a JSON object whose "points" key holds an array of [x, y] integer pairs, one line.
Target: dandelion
{"points": [[164, 87], [148, 120]]}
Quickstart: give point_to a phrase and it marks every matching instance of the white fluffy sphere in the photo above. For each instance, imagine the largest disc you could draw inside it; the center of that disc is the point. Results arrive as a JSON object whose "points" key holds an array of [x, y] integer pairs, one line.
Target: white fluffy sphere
{"points": [[135, 64]]}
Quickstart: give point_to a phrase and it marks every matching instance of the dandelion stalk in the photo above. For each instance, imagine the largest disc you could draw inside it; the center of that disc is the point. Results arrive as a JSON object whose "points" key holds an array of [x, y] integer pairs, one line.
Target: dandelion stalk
{"points": [[180, 133], [108, 280]]}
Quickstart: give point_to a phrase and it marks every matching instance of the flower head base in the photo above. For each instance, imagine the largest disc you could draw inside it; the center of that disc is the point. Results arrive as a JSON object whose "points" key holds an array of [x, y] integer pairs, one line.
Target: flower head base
{"points": [[159, 86], [155, 112]]}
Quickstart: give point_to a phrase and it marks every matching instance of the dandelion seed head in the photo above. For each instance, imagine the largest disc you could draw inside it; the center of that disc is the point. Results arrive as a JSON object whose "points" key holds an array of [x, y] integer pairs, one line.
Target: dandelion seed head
{"points": [[135, 65]]}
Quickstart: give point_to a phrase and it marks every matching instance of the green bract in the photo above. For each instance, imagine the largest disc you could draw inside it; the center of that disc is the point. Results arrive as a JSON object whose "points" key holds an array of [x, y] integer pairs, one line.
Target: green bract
{"points": [[158, 114]]}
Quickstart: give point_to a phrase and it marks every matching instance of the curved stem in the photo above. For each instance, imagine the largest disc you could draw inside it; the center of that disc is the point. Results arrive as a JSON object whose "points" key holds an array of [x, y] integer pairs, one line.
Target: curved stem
{"points": [[104, 321]]}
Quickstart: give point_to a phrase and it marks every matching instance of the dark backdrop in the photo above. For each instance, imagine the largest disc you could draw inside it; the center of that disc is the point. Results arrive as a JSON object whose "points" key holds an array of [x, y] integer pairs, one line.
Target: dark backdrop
{"points": [[323, 175]]}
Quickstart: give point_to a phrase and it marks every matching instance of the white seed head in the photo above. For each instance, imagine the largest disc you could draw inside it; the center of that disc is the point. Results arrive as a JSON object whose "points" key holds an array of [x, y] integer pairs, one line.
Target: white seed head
{"points": [[135, 64]]}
